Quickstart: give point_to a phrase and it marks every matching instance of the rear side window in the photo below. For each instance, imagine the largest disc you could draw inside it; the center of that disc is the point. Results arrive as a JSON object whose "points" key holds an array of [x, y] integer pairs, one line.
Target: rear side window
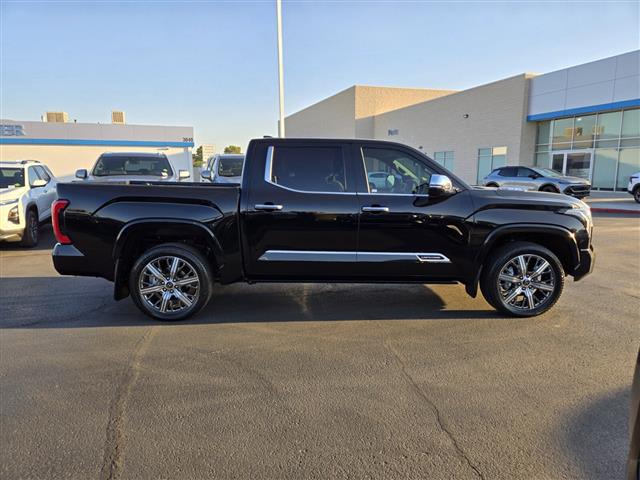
{"points": [[508, 172], [310, 169]]}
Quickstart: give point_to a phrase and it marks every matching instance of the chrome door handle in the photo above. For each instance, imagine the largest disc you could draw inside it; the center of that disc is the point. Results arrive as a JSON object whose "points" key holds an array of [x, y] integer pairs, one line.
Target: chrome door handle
{"points": [[375, 209], [269, 207]]}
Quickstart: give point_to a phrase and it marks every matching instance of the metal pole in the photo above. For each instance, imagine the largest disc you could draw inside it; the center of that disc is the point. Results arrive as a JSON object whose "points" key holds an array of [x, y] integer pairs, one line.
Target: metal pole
{"points": [[280, 72]]}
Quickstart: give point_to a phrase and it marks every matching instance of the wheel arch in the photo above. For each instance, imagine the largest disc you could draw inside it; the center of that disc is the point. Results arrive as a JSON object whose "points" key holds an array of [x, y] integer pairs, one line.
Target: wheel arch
{"points": [[140, 235], [557, 239], [545, 185]]}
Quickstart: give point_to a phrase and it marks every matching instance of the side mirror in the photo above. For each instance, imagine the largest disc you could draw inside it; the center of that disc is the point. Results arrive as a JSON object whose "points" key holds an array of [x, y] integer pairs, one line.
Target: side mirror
{"points": [[206, 174], [82, 173], [534, 175], [182, 174], [440, 186], [38, 183]]}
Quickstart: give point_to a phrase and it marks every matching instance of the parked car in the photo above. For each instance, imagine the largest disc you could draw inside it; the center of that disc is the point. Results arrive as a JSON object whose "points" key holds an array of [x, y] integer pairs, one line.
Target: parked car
{"points": [[634, 186], [537, 178], [27, 189], [224, 168], [305, 212], [123, 166], [633, 461]]}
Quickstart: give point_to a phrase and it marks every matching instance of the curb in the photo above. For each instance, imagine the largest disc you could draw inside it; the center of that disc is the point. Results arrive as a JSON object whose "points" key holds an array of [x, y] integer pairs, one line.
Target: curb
{"points": [[614, 210]]}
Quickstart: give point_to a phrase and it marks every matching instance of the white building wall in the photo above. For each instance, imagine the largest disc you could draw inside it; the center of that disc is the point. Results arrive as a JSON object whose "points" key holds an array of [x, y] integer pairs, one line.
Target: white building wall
{"points": [[607, 81], [64, 160], [496, 117], [66, 147]]}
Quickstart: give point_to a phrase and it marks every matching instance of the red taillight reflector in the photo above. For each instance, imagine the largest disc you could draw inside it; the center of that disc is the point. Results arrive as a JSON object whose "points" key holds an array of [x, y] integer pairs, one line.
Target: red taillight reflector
{"points": [[57, 208]]}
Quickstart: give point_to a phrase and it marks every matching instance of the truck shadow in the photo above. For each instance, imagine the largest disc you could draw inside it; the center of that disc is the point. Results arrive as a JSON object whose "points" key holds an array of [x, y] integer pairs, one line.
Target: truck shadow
{"points": [[598, 436], [72, 302]]}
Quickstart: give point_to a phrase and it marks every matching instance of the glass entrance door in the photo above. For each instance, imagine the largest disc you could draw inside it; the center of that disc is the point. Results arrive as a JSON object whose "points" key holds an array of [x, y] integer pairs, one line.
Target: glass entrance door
{"points": [[573, 163]]}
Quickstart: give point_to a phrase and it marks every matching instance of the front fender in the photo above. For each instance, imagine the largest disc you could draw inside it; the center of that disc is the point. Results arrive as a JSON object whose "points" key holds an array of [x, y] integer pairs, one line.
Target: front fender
{"points": [[521, 231]]}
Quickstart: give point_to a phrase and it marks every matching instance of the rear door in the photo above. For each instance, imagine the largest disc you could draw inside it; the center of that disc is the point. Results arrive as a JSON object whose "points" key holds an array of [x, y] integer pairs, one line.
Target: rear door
{"points": [[300, 217]]}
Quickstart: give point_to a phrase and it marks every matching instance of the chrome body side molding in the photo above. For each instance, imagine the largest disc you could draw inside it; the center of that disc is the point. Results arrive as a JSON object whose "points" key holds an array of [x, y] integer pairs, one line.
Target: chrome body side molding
{"points": [[365, 257]]}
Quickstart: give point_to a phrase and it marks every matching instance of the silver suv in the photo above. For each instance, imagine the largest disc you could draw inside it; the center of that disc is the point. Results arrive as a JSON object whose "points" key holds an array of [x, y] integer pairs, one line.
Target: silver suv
{"points": [[537, 178]]}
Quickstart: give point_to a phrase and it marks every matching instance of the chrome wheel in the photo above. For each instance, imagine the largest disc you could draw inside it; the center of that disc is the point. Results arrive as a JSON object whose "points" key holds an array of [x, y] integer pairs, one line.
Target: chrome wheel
{"points": [[527, 281], [169, 284]]}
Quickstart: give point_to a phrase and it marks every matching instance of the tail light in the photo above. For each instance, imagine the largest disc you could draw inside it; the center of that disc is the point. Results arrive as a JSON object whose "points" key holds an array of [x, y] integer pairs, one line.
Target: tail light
{"points": [[57, 208]]}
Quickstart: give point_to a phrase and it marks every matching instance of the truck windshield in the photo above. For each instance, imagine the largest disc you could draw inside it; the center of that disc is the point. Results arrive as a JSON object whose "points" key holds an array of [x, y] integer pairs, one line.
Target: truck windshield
{"points": [[131, 165], [11, 177], [230, 167]]}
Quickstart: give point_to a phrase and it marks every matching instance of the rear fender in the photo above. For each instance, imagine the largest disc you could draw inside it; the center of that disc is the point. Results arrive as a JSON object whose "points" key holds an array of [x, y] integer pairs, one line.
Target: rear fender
{"points": [[167, 226]]}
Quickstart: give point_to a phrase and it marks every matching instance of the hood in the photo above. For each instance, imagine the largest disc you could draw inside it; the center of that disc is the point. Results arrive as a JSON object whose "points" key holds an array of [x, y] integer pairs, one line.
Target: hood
{"points": [[576, 180], [228, 179], [533, 196], [11, 193]]}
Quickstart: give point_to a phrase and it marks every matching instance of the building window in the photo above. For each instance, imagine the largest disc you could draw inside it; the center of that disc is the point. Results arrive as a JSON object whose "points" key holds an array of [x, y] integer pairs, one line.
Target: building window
{"points": [[445, 159], [490, 158], [393, 131], [613, 136]]}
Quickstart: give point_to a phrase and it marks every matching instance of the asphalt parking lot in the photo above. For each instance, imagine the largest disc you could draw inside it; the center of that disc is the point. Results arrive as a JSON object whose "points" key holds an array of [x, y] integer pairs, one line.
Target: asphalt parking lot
{"points": [[317, 381]]}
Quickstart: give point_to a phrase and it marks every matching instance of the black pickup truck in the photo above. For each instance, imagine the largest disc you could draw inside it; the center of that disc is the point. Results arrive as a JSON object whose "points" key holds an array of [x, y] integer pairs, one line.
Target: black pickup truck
{"points": [[312, 210]]}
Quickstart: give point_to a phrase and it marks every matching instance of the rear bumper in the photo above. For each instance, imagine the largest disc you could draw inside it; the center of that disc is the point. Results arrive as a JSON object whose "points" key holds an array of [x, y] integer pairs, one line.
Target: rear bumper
{"points": [[587, 262], [68, 260]]}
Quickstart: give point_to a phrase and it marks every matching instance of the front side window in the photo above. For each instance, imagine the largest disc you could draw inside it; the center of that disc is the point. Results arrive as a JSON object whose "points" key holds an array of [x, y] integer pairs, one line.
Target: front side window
{"points": [[394, 171], [11, 177], [524, 172], [132, 165], [43, 174], [230, 167], [310, 169], [32, 175]]}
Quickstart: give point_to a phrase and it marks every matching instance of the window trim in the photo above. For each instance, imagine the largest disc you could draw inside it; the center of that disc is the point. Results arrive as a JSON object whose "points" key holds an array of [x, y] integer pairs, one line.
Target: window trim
{"points": [[268, 175]]}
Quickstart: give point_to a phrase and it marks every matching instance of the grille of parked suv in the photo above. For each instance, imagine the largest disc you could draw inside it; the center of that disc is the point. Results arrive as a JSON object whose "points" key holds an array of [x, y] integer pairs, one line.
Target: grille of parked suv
{"points": [[575, 189]]}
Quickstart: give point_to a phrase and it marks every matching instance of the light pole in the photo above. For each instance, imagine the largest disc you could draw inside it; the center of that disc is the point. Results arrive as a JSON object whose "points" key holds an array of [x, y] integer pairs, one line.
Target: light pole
{"points": [[280, 72]]}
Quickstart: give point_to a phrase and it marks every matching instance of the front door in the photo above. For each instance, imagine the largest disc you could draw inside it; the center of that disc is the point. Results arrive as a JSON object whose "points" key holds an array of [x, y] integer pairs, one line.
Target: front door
{"points": [[301, 218], [403, 234], [573, 163]]}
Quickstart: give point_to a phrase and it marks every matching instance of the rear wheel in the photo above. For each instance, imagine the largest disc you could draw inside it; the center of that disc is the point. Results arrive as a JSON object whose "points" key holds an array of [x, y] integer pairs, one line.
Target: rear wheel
{"points": [[522, 279], [636, 194], [31, 229], [171, 282]]}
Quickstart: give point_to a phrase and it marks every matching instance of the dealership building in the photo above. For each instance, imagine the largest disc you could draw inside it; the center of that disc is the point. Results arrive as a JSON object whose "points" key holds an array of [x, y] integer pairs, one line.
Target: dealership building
{"points": [[582, 121], [67, 146]]}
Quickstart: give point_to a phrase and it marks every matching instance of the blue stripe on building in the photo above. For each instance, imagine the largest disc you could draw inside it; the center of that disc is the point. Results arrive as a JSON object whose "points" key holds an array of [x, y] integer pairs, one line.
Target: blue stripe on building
{"points": [[110, 143], [582, 110]]}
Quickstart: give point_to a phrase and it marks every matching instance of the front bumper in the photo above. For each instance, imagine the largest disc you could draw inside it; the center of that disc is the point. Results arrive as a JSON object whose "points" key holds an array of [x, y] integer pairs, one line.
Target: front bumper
{"points": [[578, 191], [11, 234], [587, 262]]}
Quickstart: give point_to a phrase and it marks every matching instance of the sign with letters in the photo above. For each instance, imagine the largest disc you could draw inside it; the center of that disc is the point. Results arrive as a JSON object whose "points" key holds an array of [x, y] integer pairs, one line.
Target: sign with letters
{"points": [[12, 130]]}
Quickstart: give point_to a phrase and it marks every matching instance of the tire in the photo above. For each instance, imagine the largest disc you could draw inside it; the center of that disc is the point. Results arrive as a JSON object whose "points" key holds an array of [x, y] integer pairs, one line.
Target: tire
{"points": [[493, 185], [31, 229], [171, 301], [528, 301], [636, 194], [549, 188]]}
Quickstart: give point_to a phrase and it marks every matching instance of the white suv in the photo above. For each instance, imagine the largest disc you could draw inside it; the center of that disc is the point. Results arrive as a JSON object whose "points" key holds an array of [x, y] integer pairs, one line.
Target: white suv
{"points": [[634, 186], [27, 189]]}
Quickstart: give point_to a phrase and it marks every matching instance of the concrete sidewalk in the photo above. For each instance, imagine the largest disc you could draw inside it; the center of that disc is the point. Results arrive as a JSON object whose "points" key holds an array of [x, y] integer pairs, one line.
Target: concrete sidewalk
{"points": [[612, 202]]}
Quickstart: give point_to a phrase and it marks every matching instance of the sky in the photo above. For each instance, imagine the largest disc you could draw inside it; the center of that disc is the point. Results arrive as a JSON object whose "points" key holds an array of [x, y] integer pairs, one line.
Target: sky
{"points": [[213, 64]]}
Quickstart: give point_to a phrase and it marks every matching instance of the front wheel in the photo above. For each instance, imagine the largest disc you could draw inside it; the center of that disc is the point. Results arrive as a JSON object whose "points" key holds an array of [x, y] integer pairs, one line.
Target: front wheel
{"points": [[31, 229], [636, 194], [171, 282], [549, 189], [522, 279]]}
